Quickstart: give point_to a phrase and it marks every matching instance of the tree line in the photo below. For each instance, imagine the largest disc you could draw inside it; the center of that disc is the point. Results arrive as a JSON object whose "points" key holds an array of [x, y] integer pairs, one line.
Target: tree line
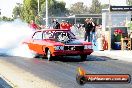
{"points": [[28, 10], [4, 18]]}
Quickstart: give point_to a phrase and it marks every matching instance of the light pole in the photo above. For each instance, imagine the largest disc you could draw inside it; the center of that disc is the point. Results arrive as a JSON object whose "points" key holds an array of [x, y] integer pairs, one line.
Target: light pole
{"points": [[38, 7], [46, 13], [109, 43], [0, 12]]}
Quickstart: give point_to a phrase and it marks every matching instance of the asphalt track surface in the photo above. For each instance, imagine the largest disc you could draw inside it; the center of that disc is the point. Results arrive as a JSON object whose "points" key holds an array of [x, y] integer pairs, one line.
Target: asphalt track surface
{"points": [[62, 70]]}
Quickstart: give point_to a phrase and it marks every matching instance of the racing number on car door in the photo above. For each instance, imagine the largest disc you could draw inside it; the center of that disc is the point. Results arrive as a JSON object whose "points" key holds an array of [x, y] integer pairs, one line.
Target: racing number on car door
{"points": [[36, 43]]}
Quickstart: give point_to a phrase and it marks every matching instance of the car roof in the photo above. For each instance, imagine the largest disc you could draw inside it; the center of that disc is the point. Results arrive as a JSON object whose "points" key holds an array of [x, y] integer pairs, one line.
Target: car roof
{"points": [[42, 30]]}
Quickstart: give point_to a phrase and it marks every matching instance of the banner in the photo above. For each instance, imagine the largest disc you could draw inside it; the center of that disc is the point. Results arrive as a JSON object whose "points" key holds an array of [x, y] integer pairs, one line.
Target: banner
{"points": [[120, 8]]}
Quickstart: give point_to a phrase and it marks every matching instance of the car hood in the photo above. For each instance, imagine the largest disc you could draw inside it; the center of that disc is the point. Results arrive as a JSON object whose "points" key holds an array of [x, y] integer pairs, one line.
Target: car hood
{"points": [[71, 42], [77, 42], [74, 42], [52, 42]]}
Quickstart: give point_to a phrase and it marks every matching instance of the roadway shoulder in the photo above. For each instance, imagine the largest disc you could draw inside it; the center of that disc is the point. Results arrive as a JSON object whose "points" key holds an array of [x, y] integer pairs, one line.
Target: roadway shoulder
{"points": [[115, 54]]}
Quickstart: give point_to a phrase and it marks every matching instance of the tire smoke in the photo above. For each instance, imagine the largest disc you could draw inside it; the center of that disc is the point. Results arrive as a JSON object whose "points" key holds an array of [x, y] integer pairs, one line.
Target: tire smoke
{"points": [[12, 34]]}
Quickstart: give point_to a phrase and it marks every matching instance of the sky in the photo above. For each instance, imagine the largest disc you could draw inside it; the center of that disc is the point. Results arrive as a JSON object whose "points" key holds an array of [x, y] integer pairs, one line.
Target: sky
{"points": [[7, 6]]}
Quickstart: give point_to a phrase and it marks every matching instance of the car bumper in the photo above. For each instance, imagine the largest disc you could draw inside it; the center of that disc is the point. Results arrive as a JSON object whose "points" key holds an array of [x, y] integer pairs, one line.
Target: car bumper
{"points": [[72, 52]]}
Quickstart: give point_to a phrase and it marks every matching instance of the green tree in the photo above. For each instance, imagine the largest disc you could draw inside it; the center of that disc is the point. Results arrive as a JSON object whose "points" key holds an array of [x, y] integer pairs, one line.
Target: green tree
{"points": [[129, 2], [0, 19], [4, 18], [78, 8], [17, 10], [38, 20], [54, 8], [96, 7], [105, 6], [29, 10]]}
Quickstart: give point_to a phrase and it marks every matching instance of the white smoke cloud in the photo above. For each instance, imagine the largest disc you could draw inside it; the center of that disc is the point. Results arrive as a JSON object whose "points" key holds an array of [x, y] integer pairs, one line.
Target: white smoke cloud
{"points": [[12, 34]]}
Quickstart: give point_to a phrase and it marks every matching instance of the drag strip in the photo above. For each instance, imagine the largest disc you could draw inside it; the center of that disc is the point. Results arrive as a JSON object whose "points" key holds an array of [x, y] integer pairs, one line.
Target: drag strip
{"points": [[61, 72]]}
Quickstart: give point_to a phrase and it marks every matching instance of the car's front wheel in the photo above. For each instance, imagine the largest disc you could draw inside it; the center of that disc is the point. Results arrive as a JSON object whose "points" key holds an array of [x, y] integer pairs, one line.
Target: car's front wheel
{"points": [[48, 55], [83, 57]]}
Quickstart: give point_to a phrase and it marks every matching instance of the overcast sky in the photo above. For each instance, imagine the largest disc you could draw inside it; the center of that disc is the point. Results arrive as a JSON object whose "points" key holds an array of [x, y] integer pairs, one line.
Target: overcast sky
{"points": [[7, 6]]}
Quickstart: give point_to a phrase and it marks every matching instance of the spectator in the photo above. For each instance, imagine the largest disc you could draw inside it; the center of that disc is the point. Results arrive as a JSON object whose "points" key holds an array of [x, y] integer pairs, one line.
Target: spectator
{"points": [[63, 25], [130, 35], [68, 25], [33, 25], [56, 24], [93, 31], [88, 28]]}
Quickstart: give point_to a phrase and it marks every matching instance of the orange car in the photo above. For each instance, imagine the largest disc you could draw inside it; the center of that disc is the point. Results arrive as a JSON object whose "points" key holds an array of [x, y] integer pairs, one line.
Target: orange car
{"points": [[57, 42]]}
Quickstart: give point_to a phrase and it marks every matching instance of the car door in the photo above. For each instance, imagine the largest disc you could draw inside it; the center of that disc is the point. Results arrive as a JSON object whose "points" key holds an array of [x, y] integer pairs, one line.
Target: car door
{"points": [[36, 43]]}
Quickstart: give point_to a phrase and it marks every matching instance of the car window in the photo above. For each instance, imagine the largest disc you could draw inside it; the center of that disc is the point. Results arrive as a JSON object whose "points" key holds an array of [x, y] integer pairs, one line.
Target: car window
{"points": [[61, 36], [48, 35], [37, 36]]}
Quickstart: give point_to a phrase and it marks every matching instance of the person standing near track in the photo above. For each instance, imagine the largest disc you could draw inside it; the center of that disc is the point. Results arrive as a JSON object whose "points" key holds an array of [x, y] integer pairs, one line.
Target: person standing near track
{"points": [[92, 35], [88, 28], [63, 24], [68, 25], [56, 24], [33, 25]]}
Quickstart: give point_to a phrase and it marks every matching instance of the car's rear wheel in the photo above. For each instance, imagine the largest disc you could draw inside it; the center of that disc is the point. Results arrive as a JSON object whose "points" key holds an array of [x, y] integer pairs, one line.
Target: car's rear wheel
{"points": [[36, 56], [83, 57], [48, 55]]}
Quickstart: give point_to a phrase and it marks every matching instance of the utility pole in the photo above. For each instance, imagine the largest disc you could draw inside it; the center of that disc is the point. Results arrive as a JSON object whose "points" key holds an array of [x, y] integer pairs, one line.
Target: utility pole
{"points": [[38, 7], [46, 13], [0, 11], [109, 43]]}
